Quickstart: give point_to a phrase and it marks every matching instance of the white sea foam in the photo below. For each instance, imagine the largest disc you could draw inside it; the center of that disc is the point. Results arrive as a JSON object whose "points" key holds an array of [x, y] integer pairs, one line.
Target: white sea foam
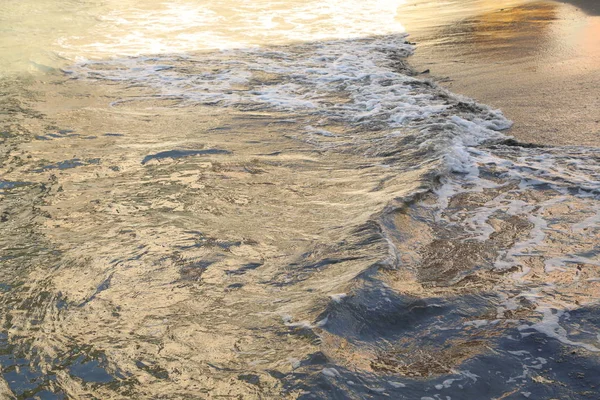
{"points": [[338, 297], [567, 178], [353, 80], [330, 372], [591, 222], [551, 327]]}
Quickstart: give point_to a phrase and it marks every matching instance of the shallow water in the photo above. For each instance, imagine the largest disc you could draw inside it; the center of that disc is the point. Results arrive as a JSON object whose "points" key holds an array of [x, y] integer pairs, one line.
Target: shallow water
{"points": [[291, 215]]}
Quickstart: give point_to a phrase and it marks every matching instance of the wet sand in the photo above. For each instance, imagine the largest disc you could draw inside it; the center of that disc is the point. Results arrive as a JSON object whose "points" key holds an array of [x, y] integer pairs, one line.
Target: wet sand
{"points": [[538, 61]]}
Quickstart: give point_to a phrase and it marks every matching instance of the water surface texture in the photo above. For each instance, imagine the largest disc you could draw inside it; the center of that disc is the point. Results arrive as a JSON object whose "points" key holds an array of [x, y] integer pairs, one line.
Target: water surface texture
{"points": [[261, 200]]}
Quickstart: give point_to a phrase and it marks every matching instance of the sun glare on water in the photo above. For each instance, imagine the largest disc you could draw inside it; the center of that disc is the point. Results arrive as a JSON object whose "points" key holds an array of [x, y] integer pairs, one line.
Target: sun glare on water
{"points": [[63, 33]]}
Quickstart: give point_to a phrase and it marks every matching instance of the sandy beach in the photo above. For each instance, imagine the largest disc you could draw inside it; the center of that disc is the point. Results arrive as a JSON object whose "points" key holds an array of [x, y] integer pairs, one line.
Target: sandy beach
{"points": [[538, 61]]}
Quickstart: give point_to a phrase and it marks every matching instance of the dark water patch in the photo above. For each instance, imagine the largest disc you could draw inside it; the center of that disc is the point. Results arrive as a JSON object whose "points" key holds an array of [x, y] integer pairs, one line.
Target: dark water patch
{"points": [[23, 380], [21, 375], [193, 271], [491, 360], [90, 370], [68, 164], [61, 302], [315, 359], [201, 240], [301, 330], [581, 325], [102, 287], [585, 254], [252, 379], [226, 245], [45, 395], [536, 366], [8, 185], [20, 369], [62, 133], [220, 368], [221, 128], [333, 382], [516, 143], [375, 312], [364, 245], [243, 269], [369, 233], [235, 286], [507, 366], [304, 269], [139, 255], [154, 370], [143, 251], [174, 154]]}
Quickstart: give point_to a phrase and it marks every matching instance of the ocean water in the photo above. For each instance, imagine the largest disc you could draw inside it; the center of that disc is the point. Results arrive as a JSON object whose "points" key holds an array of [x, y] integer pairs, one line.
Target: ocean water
{"points": [[263, 200]]}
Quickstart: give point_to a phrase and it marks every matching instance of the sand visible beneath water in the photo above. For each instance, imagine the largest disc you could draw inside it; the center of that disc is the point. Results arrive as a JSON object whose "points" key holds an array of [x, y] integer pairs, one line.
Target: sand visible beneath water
{"points": [[538, 61]]}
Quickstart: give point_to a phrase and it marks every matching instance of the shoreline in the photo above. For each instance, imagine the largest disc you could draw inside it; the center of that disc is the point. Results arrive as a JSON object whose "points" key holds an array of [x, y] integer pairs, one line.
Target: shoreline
{"points": [[537, 61]]}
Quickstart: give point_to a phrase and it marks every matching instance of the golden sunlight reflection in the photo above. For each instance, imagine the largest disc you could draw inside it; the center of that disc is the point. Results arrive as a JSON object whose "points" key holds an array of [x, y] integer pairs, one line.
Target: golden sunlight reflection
{"points": [[515, 29], [418, 15], [91, 30], [525, 27]]}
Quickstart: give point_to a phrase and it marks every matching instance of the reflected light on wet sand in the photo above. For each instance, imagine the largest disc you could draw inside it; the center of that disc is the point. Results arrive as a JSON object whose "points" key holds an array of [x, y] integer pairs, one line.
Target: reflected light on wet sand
{"points": [[549, 51], [521, 28]]}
